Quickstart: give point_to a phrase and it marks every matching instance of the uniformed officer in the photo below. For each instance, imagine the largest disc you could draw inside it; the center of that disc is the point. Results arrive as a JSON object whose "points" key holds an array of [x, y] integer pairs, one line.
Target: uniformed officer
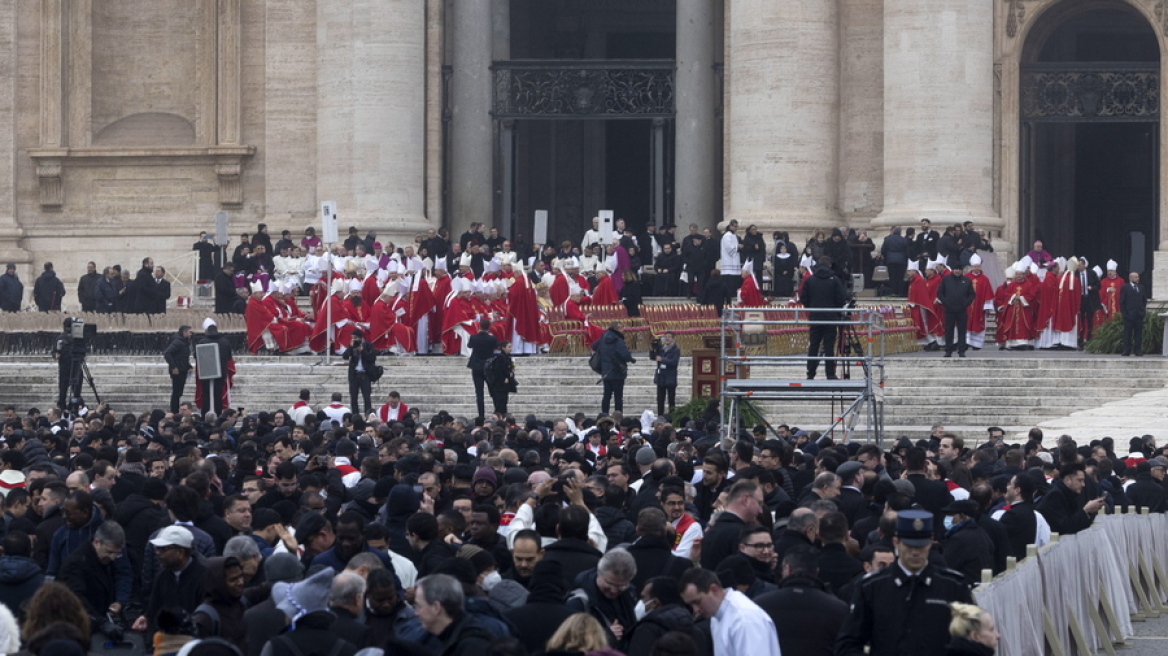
{"points": [[903, 609]]}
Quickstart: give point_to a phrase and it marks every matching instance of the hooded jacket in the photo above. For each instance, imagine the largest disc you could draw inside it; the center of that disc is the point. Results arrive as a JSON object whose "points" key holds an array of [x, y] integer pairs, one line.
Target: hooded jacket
{"points": [[657, 623], [614, 355], [20, 577], [230, 609], [48, 291]]}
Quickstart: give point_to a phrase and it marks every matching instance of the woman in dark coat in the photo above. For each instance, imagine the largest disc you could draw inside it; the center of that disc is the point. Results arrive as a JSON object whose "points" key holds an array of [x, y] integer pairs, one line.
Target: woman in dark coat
{"points": [[754, 250], [839, 252], [784, 267], [631, 293], [500, 374]]}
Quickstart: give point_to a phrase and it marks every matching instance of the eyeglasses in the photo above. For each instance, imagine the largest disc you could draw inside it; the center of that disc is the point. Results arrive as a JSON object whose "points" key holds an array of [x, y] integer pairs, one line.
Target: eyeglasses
{"points": [[761, 545]]}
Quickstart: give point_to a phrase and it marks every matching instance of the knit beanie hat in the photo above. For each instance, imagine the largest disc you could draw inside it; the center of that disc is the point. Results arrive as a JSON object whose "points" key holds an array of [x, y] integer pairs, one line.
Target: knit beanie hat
{"points": [[301, 598]]}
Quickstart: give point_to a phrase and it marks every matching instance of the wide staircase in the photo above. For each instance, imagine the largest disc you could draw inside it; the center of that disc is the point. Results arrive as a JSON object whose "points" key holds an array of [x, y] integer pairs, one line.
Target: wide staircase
{"points": [[964, 395]]}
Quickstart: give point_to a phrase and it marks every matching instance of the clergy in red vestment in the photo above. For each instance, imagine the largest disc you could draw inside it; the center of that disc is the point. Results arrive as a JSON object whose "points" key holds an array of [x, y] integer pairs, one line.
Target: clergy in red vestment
{"points": [[920, 305], [440, 287], [983, 301], [749, 295], [1014, 302], [1047, 300], [458, 319], [572, 312], [1069, 296], [934, 321], [388, 330], [270, 323], [1109, 288], [421, 308], [262, 326], [522, 305], [334, 323], [605, 293]]}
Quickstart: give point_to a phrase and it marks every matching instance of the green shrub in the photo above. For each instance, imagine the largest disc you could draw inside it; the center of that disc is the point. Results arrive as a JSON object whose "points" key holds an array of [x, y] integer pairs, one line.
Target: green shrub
{"points": [[1108, 338]]}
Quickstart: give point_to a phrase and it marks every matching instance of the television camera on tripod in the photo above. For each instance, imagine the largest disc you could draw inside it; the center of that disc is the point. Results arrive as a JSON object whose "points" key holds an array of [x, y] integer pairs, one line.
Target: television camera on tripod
{"points": [[69, 351]]}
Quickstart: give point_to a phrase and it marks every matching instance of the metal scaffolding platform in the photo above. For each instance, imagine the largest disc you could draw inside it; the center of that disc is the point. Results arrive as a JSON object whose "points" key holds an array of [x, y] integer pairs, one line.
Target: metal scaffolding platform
{"points": [[857, 390]]}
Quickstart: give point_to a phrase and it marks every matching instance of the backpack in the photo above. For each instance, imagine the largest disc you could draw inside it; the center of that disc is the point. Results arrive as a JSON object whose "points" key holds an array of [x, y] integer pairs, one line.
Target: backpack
{"points": [[212, 614], [594, 361], [376, 373]]}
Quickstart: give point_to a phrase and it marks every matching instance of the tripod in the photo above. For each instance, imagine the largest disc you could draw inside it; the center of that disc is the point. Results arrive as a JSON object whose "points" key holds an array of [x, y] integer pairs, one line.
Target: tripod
{"points": [[78, 371]]}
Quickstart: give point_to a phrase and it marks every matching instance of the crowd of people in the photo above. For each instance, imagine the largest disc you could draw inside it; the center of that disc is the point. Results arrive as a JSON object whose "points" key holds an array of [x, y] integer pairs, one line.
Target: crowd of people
{"points": [[1044, 303], [320, 530]]}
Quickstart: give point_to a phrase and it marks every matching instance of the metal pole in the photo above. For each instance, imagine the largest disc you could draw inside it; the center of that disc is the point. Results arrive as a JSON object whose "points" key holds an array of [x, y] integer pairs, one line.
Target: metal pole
{"points": [[328, 305]]}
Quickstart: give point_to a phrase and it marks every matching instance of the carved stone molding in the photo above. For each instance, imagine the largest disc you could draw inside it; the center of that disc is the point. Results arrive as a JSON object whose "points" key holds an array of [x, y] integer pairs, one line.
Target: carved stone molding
{"points": [[1161, 11], [228, 162], [48, 173], [1015, 17], [229, 172], [565, 89]]}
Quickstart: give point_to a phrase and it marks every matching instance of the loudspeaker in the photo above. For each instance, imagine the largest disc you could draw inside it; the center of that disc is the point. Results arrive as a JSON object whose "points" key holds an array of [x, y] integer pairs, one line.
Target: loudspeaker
{"points": [[1136, 255], [207, 359]]}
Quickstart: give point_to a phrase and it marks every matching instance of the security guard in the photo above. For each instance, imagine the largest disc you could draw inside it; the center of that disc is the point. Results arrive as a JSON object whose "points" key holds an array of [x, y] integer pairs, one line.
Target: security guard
{"points": [[903, 609]]}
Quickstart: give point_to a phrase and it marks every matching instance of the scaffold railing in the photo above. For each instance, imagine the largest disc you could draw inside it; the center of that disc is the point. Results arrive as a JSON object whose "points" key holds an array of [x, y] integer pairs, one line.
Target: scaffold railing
{"points": [[853, 397]]}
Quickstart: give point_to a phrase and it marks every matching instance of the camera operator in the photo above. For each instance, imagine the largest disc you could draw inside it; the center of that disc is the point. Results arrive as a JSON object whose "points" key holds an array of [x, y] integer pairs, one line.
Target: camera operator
{"points": [[67, 352], [362, 359], [823, 289], [178, 363], [666, 354]]}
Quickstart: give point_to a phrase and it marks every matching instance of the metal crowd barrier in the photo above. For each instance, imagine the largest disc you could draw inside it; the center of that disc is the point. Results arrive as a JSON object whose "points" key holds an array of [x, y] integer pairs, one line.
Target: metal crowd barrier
{"points": [[1080, 593]]}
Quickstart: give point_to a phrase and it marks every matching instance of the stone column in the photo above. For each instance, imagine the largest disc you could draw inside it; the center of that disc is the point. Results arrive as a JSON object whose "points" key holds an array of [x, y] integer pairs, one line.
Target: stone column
{"points": [[938, 113], [472, 196], [783, 126], [371, 59], [696, 137], [11, 233], [861, 157]]}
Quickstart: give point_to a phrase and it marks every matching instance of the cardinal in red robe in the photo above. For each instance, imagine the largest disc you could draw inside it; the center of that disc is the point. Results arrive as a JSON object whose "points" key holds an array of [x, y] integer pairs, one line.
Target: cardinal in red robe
{"points": [[525, 313], [388, 327], [983, 297], [749, 295], [1068, 298], [440, 287], [605, 293], [1109, 295], [458, 319], [572, 312], [1015, 303]]}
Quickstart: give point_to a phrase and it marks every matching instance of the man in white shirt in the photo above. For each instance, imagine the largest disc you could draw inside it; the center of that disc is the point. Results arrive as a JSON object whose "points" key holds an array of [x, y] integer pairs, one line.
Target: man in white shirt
{"points": [[301, 408], [337, 410], [592, 236], [739, 626], [731, 267], [315, 266]]}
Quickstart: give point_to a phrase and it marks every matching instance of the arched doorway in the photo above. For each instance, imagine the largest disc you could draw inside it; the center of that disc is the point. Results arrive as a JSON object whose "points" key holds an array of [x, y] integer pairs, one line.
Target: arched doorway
{"points": [[1090, 135]]}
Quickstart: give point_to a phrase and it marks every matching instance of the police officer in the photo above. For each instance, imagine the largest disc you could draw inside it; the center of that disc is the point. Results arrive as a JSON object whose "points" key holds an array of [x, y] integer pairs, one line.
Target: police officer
{"points": [[903, 609]]}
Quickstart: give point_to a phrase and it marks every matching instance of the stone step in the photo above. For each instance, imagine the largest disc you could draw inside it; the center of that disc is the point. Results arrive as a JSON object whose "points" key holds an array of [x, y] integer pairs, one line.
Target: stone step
{"points": [[965, 395]]}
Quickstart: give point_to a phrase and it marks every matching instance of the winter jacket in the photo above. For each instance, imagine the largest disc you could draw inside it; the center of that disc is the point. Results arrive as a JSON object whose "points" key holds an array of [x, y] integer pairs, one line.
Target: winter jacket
{"points": [[48, 291], [20, 577], [11, 293], [659, 622], [614, 355]]}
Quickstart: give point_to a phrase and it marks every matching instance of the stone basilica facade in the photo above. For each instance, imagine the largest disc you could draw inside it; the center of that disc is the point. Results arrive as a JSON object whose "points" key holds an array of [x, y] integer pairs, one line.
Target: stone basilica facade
{"points": [[126, 125]]}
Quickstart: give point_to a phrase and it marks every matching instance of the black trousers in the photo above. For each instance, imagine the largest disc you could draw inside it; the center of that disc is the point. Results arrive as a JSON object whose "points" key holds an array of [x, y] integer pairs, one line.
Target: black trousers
{"points": [[821, 339], [177, 383], [359, 382], [664, 391], [614, 392], [499, 398], [212, 395], [958, 319], [1086, 322], [731, 283], [480, 381], [1133, 335], [896, 278]]}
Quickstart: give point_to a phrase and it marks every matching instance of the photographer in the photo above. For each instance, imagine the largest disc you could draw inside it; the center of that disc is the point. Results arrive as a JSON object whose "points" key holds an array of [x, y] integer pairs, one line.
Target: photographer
{"points": [[362, 359], [667, 356], [178, 363], [823, 289], [65, 352]]}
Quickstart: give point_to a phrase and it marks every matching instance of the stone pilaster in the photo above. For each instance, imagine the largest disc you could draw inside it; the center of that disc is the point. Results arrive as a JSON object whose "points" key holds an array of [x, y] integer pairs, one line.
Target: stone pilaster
{"points": [[696, 129], [371, 60], [11, 234], [472, 192], [861, 158], [938, 113], [783, 124]]}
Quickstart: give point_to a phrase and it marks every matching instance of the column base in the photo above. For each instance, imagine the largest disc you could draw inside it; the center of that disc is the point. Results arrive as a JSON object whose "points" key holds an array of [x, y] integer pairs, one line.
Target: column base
{"points": [[983, 217], [1159, 275], [787, 220]]}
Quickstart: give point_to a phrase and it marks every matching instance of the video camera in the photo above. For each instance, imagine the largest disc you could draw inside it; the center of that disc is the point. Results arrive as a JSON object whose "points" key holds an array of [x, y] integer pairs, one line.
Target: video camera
{"points": [[79, 334]]}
